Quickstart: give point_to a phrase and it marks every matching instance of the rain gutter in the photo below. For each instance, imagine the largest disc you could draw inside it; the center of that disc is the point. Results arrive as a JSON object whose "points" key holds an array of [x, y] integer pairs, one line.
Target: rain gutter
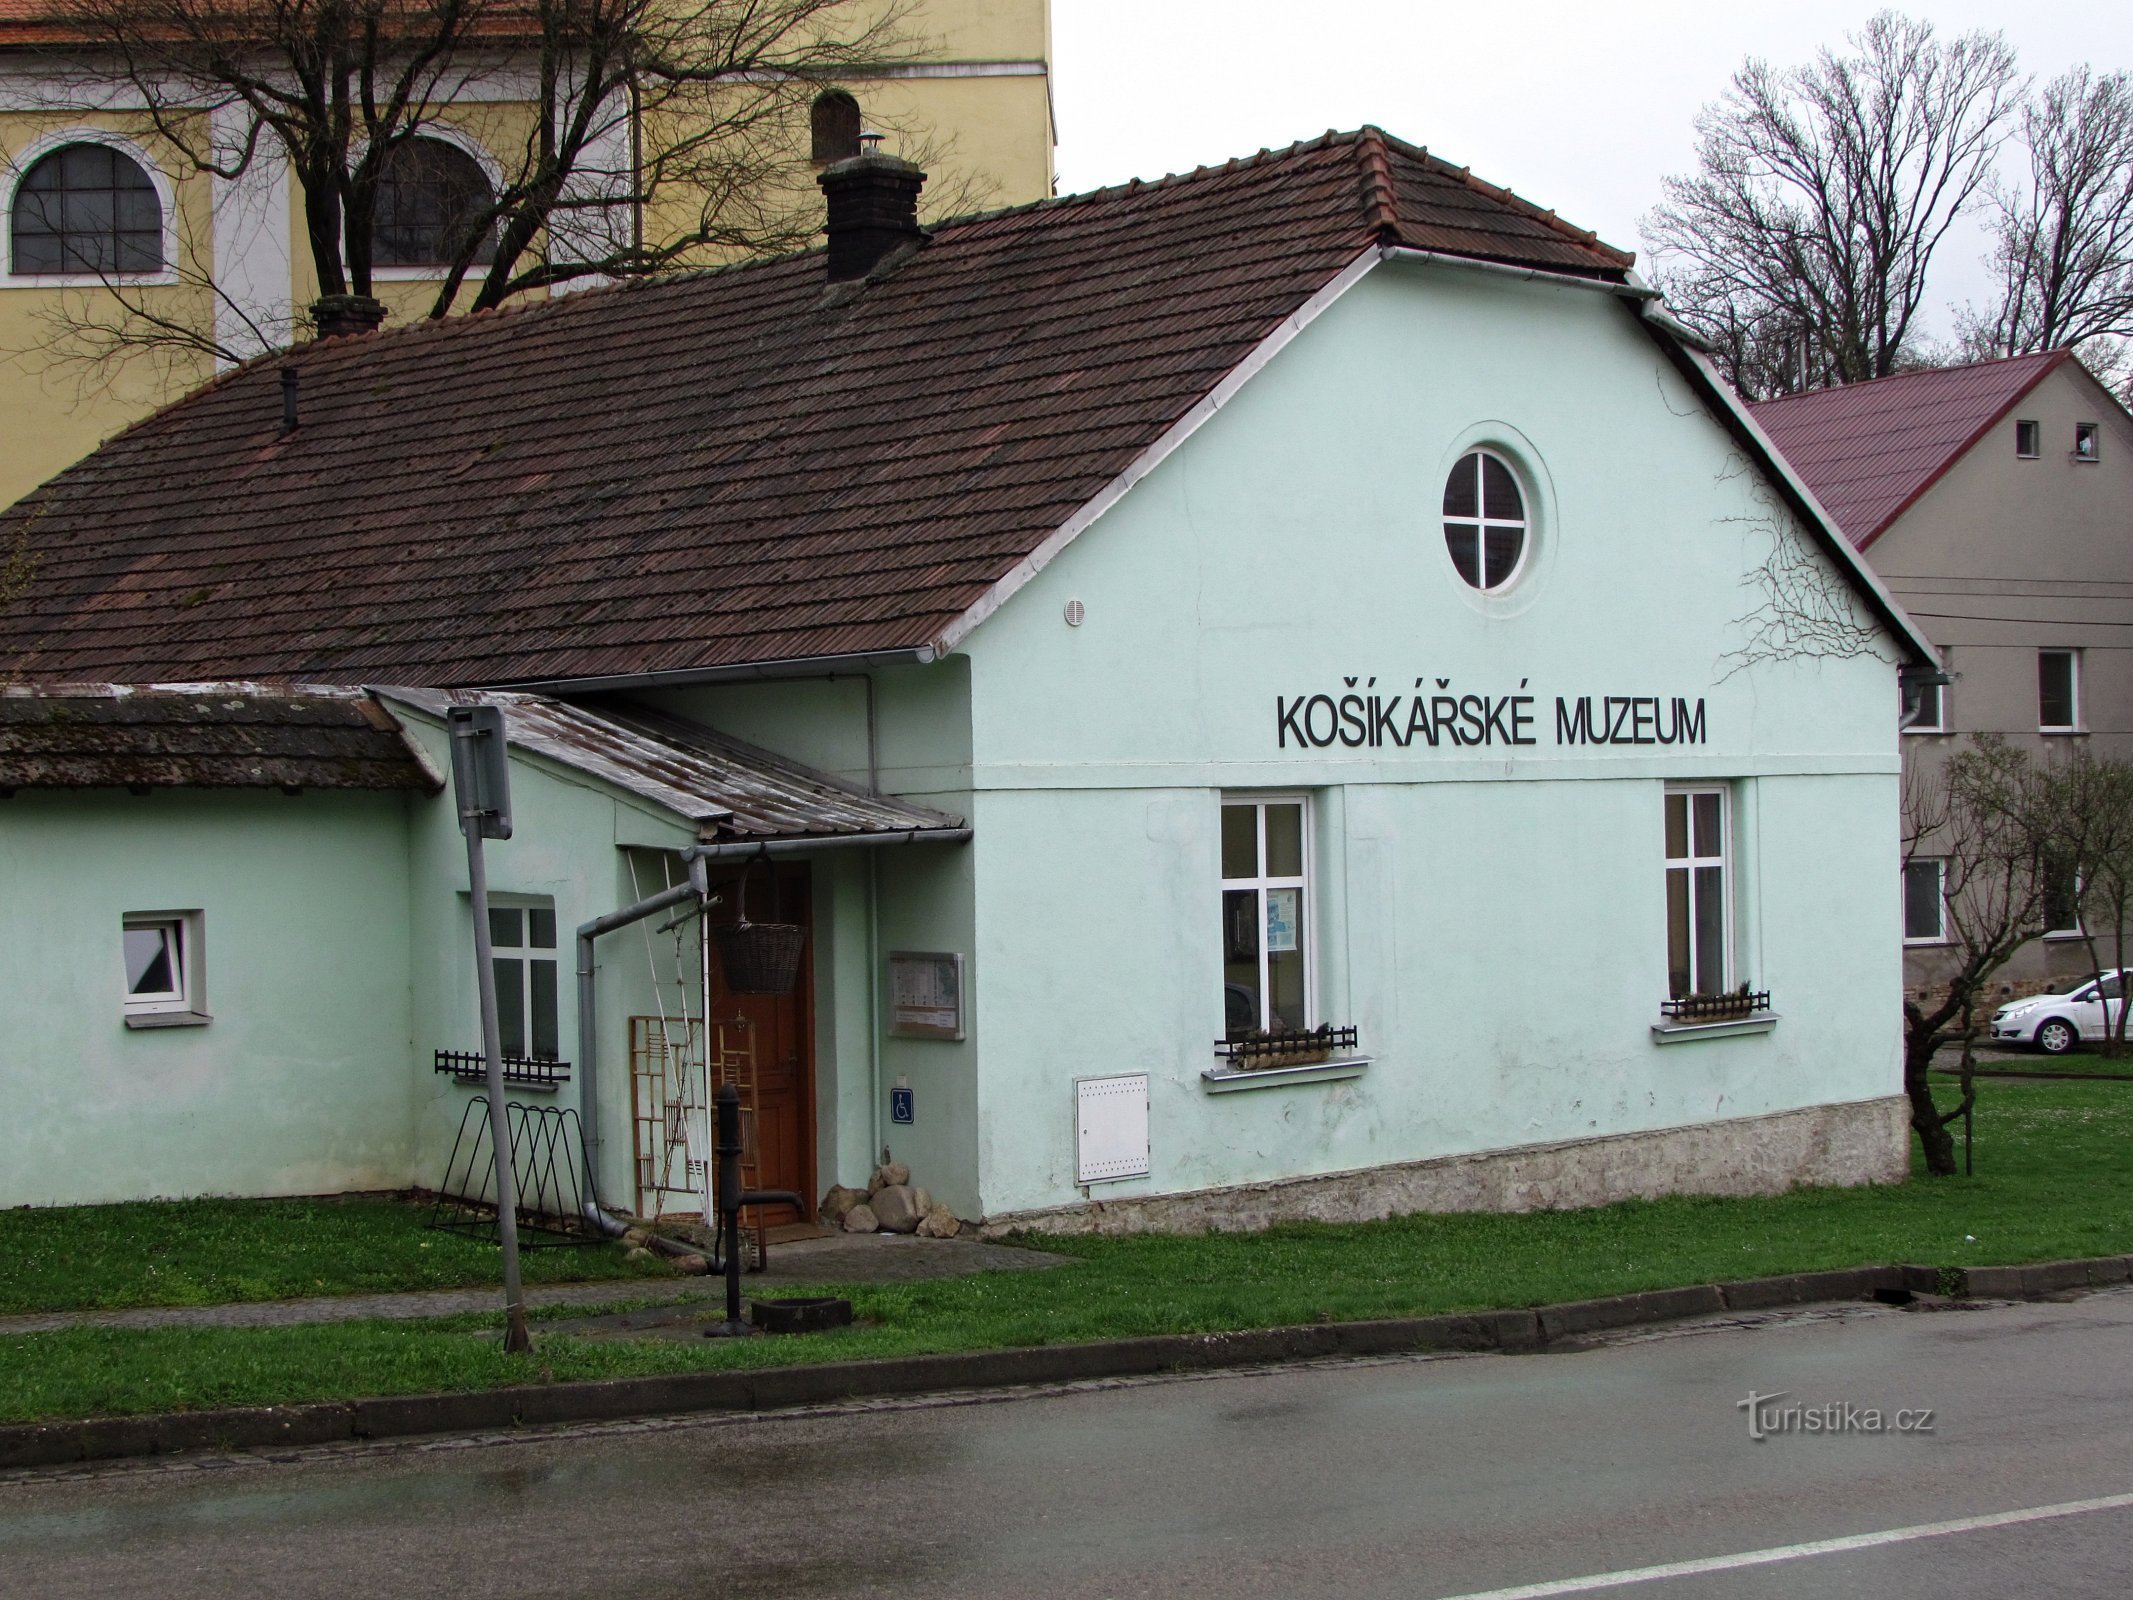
{"points": [[726, 849], [743, 672], [1650, 303]]}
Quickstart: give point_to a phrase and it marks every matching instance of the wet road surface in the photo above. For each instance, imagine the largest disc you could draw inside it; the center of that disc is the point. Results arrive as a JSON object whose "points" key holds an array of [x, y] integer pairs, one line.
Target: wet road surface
{"points": [[1483, 1475]]}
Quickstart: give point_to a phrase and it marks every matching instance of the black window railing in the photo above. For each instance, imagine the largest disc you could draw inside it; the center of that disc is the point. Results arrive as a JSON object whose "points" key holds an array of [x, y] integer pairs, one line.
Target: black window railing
{"points": [[1717, 1007], [1294, 1048], [523, 1071]]}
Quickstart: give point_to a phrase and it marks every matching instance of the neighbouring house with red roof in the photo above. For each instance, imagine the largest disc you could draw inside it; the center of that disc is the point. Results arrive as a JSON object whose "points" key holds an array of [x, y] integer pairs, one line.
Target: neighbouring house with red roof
{"points": [[1241, 682], [1996, 502]]}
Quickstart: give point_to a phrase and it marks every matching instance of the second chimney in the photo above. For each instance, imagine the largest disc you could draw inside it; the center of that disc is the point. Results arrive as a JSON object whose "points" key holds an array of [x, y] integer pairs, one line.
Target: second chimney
{"points": [[873, 210]]}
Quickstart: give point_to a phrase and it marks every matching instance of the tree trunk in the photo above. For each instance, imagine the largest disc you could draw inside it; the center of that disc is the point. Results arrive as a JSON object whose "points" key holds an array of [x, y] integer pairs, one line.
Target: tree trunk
{"points": [[1926, 1119]]}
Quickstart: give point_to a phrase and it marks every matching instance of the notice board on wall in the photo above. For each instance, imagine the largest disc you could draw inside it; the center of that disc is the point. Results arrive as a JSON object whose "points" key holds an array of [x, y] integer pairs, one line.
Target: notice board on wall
{"points": [[925, 994]]}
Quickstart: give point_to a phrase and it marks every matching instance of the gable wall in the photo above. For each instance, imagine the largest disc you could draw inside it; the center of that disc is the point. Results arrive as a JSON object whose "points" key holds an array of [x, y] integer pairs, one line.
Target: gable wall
{"points": [[1491, 919], [2048, 543]]}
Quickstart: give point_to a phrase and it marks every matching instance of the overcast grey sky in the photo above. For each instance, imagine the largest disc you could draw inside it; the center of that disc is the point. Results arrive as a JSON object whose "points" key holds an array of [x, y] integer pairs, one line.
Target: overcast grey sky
{"points": [[1576, 106]]}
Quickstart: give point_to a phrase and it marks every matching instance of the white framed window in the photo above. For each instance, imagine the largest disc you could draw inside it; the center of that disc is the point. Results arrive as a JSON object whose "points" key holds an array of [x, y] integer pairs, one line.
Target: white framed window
{"points": [[1699, 892], [2058, 691], [2062, 901], [1485, 524], [165, 968], [1932, 709], [2026, 437], [2088, 442], [523, 949], [1266, 915], [85, 207], [1925, 901]]}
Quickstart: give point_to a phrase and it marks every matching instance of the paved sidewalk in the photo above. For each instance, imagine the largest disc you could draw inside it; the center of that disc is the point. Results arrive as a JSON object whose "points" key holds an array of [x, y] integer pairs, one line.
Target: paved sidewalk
{"points": [[842, 1258]]}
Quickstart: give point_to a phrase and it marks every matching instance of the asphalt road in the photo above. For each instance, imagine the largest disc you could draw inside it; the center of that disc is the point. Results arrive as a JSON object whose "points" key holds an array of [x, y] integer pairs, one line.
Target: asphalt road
{"points": [[1483, 1475]]}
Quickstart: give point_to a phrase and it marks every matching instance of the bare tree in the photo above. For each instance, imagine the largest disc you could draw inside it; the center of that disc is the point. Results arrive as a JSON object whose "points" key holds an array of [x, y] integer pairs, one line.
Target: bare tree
{"points": [[1822, 193], [629, 136], [1984, 816], [2063, 233], [2088, 805]]}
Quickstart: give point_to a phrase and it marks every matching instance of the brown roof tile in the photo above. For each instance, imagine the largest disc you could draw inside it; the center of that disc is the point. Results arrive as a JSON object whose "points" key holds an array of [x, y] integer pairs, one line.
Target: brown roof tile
{"points": [[716, 469], [216, 736]]}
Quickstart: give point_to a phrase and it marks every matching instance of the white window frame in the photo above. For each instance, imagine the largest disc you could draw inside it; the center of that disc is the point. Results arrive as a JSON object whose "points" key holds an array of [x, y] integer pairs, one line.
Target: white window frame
{"points": [[1307, 910], [1939, 935], [1939, 724], [2076, 931], [184, 1003], [524, 955], [17, 167], [1482, 524], [2036, 438], [1690, 862], [2073, 691], [492, 169]]}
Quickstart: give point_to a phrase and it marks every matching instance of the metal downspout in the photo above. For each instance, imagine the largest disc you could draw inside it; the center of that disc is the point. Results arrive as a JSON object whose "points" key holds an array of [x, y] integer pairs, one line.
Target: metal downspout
{"points": [[697, 888]]}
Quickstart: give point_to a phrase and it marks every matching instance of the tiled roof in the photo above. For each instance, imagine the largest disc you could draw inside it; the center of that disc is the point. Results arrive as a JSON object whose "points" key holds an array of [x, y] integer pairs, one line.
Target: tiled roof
{"points": [[1868, 450], [716, 469], [728, 788], [205, 736]]}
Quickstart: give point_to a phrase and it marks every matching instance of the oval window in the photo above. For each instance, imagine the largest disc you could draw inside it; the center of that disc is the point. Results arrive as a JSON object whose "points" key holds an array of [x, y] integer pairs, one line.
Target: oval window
{"points": [[1484, 520]]}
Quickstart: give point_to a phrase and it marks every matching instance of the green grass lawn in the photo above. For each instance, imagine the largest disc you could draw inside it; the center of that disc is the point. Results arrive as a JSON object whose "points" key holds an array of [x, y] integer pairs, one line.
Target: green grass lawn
{"points": [[207, 1252], [2072, 1061], [2055, 1179]]}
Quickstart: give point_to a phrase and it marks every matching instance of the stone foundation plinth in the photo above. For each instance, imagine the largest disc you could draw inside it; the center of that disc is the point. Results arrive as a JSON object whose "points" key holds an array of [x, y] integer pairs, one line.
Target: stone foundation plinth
{"points": [[1866, 1141]]}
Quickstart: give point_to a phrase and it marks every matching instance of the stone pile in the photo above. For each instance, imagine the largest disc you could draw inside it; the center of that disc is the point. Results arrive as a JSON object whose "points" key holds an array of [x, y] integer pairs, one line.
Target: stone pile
{"points": [[890, 1203]]}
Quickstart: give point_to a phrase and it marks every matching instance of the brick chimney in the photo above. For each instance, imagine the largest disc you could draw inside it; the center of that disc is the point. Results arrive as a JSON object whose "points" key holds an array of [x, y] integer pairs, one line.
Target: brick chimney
{"points": [[873, 209], [337, 316]]}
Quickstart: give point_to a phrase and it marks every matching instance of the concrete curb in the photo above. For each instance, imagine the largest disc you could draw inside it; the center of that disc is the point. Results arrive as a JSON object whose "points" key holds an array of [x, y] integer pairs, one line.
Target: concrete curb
{"points": [[1504, 1332]]}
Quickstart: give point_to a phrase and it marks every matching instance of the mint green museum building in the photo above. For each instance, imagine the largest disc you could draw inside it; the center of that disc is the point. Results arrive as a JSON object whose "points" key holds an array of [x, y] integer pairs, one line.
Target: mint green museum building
{"points": [[1287, 691]]}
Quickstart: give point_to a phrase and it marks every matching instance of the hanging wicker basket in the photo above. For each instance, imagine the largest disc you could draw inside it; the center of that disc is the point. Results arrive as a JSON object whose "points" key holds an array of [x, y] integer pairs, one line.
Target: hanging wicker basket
{"points": [[759, 957]]}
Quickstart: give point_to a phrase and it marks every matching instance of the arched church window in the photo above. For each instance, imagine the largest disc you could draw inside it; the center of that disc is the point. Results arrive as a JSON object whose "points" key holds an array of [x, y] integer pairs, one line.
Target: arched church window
{"points": [[836, 127], [86, 208], [432, 196]]}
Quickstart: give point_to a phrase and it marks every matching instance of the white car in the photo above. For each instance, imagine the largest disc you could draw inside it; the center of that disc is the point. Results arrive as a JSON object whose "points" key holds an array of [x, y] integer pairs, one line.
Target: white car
{"points": [[2055, 1023]]}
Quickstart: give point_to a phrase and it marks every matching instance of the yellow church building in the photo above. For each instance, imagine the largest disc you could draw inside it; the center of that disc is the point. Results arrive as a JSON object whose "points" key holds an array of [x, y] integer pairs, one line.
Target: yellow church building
{"points": [[106, 222]]}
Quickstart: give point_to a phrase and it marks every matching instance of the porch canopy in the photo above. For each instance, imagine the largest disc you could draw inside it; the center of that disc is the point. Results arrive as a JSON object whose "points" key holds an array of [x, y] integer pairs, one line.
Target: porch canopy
{"points": [[736, 794]]}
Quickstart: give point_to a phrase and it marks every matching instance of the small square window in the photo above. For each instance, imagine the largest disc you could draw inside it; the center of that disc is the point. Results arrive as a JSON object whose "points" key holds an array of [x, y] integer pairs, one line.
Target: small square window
{"points": [[1925, 903], [2026, 440], [2058, 691], [2088, 442], [163, 968]]}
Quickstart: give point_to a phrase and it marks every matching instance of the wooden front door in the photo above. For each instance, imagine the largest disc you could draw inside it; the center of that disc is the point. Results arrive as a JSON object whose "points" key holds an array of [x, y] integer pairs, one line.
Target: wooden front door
{"points": [[777, 1033]]}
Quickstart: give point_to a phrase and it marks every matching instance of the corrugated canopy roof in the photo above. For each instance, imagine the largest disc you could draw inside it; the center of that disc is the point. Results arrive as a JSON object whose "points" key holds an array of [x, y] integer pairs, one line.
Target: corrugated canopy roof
{"points": [[728, 788], [718, 469], [1869, 450], [203, 736]]}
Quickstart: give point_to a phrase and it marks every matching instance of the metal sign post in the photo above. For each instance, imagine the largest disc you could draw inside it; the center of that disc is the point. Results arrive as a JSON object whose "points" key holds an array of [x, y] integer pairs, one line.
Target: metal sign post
{"points": [[481, 784]]}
